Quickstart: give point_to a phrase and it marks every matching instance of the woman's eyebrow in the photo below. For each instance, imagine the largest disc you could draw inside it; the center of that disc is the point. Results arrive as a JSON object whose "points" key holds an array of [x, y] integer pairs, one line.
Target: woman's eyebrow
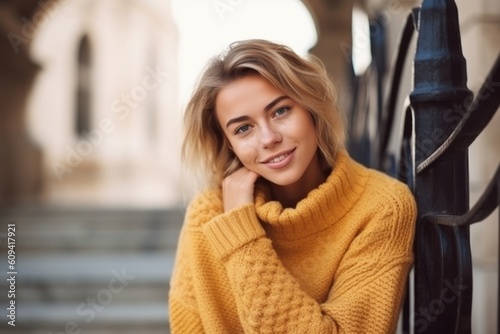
{"points": [[266, 108], [274, 102], [237, 120]]}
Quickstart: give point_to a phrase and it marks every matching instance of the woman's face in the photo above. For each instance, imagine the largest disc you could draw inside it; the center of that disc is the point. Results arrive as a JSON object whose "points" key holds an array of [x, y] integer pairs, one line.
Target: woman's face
{"points": [[269, 132]]}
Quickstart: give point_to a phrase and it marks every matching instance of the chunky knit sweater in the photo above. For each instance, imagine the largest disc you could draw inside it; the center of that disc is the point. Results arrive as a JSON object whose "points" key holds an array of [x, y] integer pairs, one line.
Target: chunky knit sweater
{"points": [[336, 263]]}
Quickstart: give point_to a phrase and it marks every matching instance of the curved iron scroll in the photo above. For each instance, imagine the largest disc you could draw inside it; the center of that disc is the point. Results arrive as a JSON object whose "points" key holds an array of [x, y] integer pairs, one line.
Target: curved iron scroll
{"points": [[484, 207], [390, 110]]}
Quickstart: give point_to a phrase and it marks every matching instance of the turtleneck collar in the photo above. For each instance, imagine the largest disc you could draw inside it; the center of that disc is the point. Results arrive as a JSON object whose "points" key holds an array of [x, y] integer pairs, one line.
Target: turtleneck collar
{"points": [[322, 207]]}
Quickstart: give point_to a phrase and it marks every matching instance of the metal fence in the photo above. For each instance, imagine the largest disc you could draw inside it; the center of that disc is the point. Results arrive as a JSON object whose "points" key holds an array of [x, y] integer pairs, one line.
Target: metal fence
{"points": [[439, 123]]}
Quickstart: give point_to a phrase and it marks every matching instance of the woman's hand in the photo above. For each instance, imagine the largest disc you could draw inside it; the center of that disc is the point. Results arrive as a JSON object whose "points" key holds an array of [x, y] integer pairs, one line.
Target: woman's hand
{"points": [[238, 188]]}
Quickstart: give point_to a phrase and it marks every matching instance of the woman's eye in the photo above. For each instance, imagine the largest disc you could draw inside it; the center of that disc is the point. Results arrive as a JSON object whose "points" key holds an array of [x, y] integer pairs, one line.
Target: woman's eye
{"points": [[280, 111], [242, 129]]}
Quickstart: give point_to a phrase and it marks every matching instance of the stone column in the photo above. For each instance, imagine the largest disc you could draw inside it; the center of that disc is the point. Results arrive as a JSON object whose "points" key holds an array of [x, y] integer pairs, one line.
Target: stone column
{"points": [[20, 158], [333, 24]]}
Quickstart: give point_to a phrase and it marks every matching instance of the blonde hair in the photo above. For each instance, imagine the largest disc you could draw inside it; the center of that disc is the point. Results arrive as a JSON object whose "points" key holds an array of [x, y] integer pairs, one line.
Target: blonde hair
{"points": [[205, 150]]}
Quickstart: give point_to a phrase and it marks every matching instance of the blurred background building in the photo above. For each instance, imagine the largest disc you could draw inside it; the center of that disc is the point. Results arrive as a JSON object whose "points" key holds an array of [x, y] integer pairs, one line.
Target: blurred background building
{"points": [[91, 97], [103, 110]]}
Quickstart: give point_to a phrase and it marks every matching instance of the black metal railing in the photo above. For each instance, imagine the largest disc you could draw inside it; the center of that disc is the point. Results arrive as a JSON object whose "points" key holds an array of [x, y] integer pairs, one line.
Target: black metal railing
{"points": [[440, 122]]}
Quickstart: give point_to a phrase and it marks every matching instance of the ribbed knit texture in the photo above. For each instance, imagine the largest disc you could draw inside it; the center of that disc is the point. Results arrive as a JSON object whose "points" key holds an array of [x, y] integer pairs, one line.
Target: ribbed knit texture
{"points": [[336, 263]]}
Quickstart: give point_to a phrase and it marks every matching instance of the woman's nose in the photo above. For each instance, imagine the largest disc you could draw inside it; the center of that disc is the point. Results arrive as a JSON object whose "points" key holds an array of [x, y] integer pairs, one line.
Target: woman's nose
{"points": [[270, 136]]}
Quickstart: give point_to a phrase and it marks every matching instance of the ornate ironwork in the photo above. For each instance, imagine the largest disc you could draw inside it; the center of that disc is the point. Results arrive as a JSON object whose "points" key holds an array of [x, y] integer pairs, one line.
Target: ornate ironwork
{"points": [[437, 127]]}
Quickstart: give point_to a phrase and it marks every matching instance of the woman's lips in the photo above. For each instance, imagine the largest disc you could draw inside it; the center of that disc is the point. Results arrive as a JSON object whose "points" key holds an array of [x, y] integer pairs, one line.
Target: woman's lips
{"points": [[280, 161]]}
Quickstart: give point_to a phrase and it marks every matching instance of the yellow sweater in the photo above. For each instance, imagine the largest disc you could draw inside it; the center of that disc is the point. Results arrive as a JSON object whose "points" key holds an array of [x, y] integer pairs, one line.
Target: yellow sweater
{"points": [[336, 263]]}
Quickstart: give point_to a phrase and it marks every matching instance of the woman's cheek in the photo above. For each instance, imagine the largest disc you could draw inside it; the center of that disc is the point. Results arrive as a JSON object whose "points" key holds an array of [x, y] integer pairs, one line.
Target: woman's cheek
{"points": [[246, 151]]}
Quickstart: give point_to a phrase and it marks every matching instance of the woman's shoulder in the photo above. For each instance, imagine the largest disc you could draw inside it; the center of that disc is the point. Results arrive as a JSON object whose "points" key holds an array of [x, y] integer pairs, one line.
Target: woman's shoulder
{"points": [[204, 206], [380, 181], [391, 212], [389, 195], [377, 187]]}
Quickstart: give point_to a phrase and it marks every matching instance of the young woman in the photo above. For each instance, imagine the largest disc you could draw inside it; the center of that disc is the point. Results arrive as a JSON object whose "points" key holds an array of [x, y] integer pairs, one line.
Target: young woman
{"points": [[291, 235]]}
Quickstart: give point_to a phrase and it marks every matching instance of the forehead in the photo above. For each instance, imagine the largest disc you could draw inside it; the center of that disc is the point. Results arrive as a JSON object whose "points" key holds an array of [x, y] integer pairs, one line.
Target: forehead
{"points": [[244, 96]]}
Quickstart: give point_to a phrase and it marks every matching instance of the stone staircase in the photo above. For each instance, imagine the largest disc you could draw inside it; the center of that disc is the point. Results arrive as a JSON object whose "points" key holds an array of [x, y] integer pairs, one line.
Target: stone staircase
{"points": [[92, 271]]}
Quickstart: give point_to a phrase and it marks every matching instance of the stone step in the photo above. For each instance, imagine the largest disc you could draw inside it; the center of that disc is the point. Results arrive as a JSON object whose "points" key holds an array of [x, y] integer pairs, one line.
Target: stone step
{"points": [[116, 329], [95, 270], [54, 213], [57, 318], [53, 276], [72, 230], [60, 268], [42, 293]]}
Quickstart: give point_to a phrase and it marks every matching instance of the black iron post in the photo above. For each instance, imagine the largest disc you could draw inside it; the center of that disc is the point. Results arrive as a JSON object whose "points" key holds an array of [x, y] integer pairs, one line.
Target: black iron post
{"points": [[443, 272]]}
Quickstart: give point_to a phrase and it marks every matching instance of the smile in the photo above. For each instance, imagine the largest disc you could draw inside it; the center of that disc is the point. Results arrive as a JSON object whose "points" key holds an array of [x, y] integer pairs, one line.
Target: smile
{"points": [[280, 160]]}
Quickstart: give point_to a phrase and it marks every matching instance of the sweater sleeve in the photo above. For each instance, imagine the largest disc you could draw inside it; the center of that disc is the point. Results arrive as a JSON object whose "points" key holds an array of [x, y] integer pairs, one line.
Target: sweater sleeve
{"points": [[183, 312], [270, 300]]}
